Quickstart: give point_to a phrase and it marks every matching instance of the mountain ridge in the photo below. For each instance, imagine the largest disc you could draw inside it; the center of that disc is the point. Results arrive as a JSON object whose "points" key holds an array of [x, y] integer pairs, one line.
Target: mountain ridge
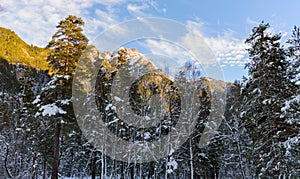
{"points": [[16, 51]]}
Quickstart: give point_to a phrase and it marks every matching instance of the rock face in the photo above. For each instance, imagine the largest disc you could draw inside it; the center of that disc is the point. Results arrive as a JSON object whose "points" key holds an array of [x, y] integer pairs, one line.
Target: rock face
{"points": [[126, 75], [132, 63]]}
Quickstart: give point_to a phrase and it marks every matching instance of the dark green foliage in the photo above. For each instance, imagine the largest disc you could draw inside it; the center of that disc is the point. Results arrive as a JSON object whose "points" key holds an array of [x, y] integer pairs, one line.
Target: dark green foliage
{"points": [[8, 79], [263, 96]]}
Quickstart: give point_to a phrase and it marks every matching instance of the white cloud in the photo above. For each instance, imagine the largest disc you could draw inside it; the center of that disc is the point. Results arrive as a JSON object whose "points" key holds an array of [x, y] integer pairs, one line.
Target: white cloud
{"points": [[252, 22], [167, 49], [35, 20], [137, 10], [224, 48], [212, 52], [194, 40], [167, 54], [227, 48]]}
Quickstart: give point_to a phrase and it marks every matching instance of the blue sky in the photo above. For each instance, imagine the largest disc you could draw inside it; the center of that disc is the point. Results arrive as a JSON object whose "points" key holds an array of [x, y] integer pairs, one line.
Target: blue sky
{"points": [[223, 25]]}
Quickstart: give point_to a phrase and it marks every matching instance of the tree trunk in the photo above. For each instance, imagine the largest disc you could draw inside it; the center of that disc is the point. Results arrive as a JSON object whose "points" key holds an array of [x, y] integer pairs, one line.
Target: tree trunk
{"points": [[44, 166], [103, 165], [132, 167], [34, 167], [8, 174], [122, 170], [94, 165], [56, 152], [191, 160], [151, 169]]}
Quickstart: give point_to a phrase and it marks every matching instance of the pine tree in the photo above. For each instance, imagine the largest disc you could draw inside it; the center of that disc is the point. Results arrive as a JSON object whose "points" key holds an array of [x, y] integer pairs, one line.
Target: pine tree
{"points": [[66, 47], [263, 96]]}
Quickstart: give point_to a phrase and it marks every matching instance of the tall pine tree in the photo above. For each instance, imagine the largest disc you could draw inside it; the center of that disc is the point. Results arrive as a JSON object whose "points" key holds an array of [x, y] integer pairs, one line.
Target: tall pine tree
{"points": [[66, 47]]}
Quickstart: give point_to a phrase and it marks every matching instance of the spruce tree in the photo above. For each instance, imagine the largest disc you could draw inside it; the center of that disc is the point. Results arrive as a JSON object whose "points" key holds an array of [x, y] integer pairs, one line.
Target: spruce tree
{"points": [[263, 96], [291, 108], [294, 54]]}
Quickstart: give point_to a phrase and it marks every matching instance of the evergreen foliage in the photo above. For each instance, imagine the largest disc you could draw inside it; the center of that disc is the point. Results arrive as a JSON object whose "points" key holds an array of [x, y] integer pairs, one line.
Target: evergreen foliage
{"points": [[67, 44], [263, 96]]}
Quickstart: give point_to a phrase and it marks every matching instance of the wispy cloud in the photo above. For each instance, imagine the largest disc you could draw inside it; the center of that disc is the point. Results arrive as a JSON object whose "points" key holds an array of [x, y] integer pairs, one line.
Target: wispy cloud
{"points": [[35, 20], [252, 22], [227, 48], [137, 10], [223, 48]]}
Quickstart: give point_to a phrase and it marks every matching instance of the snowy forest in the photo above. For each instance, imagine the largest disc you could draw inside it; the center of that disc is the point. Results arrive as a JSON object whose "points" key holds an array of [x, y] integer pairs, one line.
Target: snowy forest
{"points": [[40, 136]]}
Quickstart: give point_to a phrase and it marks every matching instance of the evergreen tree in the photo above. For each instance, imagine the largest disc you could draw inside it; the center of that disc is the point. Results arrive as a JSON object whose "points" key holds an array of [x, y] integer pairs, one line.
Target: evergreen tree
{"points": [[291, 108], [263, 96], [66, 47], [292, 105], [294, 53]]}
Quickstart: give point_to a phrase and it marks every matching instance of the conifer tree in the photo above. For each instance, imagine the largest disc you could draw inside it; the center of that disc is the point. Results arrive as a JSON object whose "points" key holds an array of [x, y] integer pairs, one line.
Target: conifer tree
{"points": [[67, 44], [66, 47], [263, 96], [294, 53], [291, 108]]}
